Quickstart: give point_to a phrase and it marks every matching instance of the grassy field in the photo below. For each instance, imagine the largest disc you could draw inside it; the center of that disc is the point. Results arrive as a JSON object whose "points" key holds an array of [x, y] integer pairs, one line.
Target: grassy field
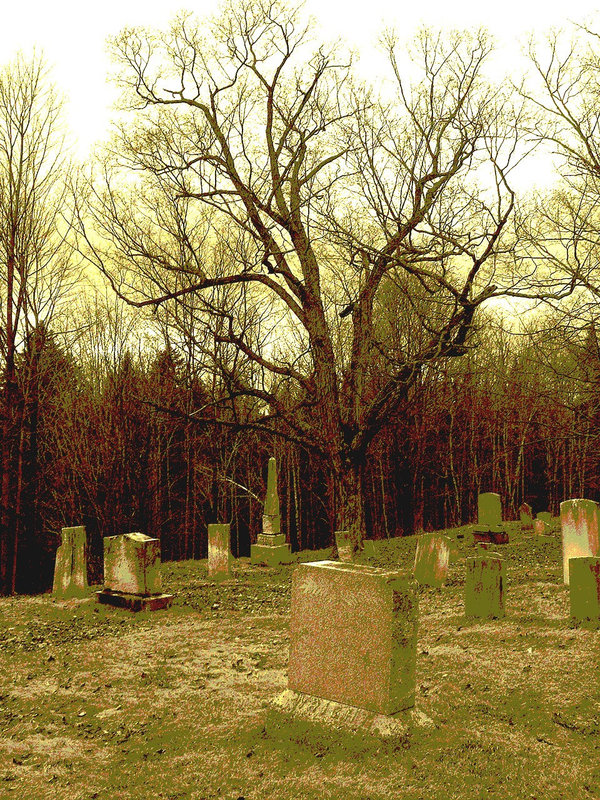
{"points": [[97, 702]]}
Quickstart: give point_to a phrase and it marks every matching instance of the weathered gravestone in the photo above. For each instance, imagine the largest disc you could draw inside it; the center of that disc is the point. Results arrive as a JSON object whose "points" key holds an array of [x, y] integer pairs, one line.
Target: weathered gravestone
{"points": [[219, 551], [132, 576], [271, 548], [485, 585], [368, 548], [70, 569], [344, 545], [526, 516], [579, 529], [353, 638], [489, 519], [432, 558], [540, 528], [584, 589], [545, 516]]}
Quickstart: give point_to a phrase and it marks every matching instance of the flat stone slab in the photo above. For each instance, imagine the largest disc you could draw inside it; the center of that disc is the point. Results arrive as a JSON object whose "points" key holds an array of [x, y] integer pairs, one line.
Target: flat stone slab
{"points": [[135, 602], [314, 720], [482, 533], [271, 556], [353, 635]]}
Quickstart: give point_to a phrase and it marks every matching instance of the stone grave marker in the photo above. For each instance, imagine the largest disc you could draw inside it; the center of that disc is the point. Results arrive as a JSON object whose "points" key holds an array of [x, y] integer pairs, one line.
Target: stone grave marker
{"points": [[219, 551], [345, 546], [546, 516], [432, 558], [368, 548], [584, 589], [540, 528], [485, 585], [489, 520], [352, 663], [132, 577], [70, 569], [579, 529], [271, 548], [526, 516]]}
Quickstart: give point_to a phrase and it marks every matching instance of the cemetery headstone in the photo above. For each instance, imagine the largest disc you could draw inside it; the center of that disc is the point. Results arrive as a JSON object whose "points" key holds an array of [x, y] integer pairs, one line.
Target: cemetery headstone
{"points": [[70, 569], [271, 548], [485, 585], [546, 516], [489, 526], [132, 577], [584, 589], [368, 548], [219, 551], [345, 546], [540, 528], [579, 529], [431, 559], [353, 638], [526, 516]]}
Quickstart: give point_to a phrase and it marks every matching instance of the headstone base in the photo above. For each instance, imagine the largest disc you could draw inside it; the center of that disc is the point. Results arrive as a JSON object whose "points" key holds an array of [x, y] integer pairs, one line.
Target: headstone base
{"points": [[305, 718], [484, 533], [135, 602], [269, 555], [270, 540]]}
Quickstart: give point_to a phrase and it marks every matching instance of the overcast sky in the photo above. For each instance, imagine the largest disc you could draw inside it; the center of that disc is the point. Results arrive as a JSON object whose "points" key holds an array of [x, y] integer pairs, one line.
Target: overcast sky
{"points": [[72, 35]]}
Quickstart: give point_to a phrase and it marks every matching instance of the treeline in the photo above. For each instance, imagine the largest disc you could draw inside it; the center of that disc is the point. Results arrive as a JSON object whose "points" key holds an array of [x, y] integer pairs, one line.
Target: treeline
{"points": [[127, 440]]}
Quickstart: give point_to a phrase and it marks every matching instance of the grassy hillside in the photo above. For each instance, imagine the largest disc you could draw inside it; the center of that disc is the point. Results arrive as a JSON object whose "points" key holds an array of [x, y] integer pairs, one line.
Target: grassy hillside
{"points": [[97, 702]]}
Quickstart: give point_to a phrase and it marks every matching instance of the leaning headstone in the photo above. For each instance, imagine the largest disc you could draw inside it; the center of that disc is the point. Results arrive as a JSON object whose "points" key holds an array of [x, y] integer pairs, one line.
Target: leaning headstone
{"points": [[352, 663], [579, 529], [431, 559], [345, 545], [70, 569], [132, 576], [489, 520], [526, 516], [271, 548], [219, 551], [485, 586], [546, 516], [584, 589]]}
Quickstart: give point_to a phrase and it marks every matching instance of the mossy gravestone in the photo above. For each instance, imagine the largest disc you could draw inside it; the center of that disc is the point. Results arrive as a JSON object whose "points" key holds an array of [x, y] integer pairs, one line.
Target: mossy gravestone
{"points": [[526, 516], [344, 545], [579, 530], [219, 551], [353, 639], [485, 586], [70, 569], [271, 548], [489, 519], [584, 589], [431, 559], [132, 577]]}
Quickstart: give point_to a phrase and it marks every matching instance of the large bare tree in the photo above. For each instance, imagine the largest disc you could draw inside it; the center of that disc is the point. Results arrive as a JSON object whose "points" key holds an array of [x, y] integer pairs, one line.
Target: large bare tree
{"points": [[336, 242]]}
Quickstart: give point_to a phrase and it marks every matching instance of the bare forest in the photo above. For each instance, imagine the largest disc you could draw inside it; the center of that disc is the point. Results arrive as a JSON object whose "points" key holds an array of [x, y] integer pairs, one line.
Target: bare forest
{"points": [[272, 256]]}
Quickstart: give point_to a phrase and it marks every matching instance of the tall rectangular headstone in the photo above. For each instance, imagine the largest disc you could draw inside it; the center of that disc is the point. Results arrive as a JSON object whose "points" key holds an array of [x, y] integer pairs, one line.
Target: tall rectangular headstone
{"points": [[353, 635], [485, 586], [219, 551], [132, 577], [526, 516], [584, 589], [431, 559], [579, 528], [271, 548], [344, 545], [70, 569]]}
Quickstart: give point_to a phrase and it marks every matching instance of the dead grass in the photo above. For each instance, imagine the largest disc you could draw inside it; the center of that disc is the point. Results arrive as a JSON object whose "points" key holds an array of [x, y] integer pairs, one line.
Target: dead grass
{"points": [[97, 702]]}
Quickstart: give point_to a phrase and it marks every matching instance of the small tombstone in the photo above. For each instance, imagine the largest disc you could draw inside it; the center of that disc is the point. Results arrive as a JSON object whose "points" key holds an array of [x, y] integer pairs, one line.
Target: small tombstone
{"points": [[526, 516], [345, 545], [431, 559], [489, 520], [132, 576], [70, 569], [219, 551], [546, 516], [584, 589], [484, 585], [352, 663], [579, 529], [369, 548], [271, 548], [540, 528]]}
